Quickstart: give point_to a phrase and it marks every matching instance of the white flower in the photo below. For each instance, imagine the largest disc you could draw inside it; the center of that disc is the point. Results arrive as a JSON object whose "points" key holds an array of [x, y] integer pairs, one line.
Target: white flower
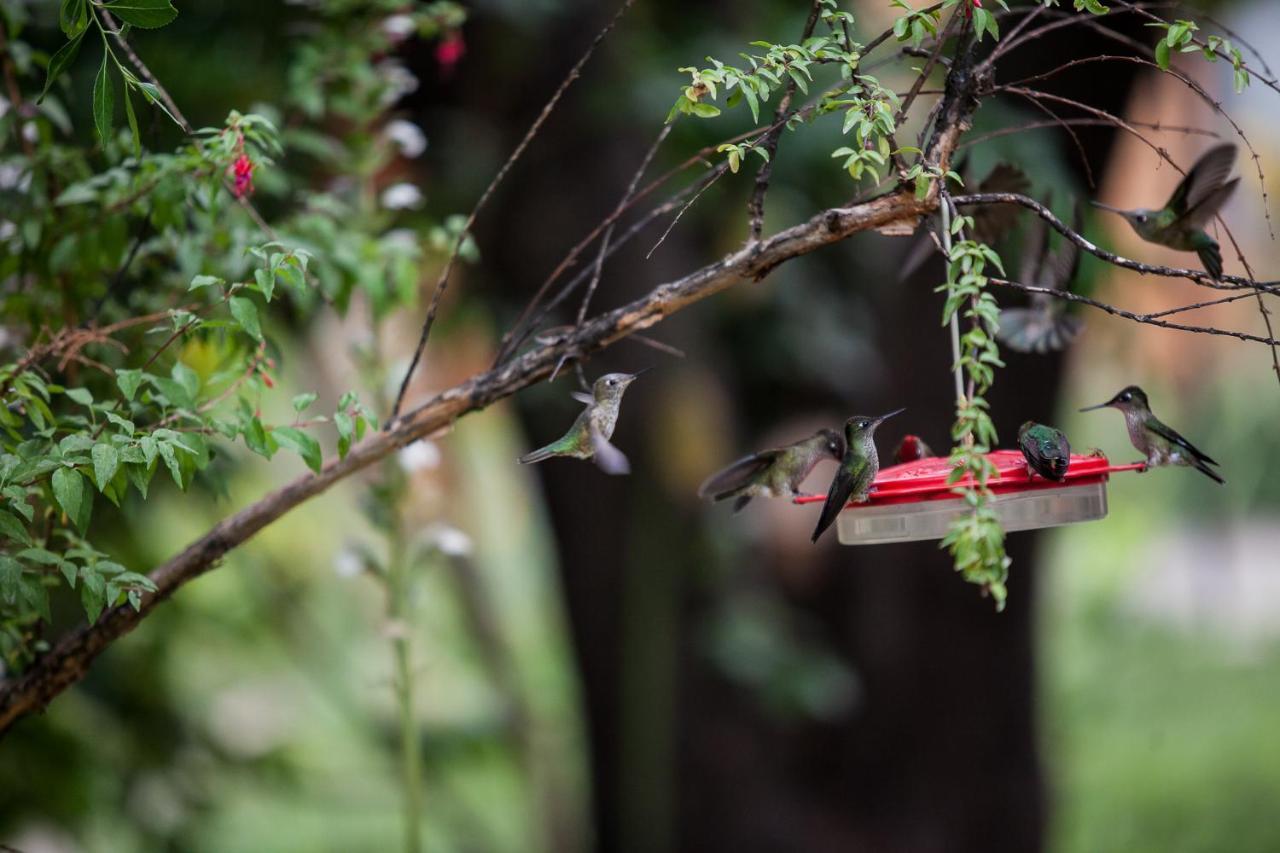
{"points": [[401, 196], [7, 230], [400, 81], [399, 27], [407, 136], [14, 177], [450, 540], [30, 132], [422, 455], [347, 563], [4, 106]]}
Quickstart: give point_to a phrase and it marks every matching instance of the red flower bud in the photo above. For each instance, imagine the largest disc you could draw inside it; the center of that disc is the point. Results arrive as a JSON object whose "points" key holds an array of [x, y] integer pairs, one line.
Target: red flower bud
{"points": [[242, 171], [449, 52]]}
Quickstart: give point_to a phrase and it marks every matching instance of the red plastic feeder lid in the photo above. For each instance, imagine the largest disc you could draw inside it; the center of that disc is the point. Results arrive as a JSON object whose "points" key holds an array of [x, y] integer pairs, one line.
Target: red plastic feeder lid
{"points": [[914, 500]]}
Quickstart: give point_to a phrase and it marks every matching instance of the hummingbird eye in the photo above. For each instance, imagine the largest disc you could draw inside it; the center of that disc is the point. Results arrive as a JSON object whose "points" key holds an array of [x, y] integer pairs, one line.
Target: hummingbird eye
{"points": [[1142, 217]]}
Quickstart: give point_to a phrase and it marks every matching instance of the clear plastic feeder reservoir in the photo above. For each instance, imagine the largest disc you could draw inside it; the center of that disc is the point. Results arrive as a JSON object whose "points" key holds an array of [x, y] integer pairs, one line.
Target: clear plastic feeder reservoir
{"points": [[914, 501]]}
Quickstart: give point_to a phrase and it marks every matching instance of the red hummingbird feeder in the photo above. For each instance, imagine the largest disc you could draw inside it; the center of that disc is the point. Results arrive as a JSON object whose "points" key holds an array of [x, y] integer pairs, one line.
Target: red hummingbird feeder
{"points": [[914, 501]]}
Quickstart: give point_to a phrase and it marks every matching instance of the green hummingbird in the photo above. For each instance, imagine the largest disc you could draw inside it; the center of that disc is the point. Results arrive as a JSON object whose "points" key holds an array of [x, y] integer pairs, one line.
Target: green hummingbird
{"points": [[1046, 450], [1199, 196], [857, 470], [1044, 325], [774, 473], [589, 436], [1160, 444]]}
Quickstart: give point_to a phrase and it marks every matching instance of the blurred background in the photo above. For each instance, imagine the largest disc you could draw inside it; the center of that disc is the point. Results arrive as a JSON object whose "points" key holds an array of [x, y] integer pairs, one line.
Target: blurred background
{"points": [[609, 664]]}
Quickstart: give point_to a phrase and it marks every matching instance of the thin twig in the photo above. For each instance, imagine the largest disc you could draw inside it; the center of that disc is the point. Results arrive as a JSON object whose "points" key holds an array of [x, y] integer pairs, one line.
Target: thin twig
{"points": [[442, 281]]}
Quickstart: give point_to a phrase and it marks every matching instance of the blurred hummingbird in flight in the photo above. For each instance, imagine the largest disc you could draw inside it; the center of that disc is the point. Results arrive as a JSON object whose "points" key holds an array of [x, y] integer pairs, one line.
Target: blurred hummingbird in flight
{"points": [[1197, 199], [1047, 451], [1044, 325], [857, 470], [774, 473], [589, 436], [1160, 444]]}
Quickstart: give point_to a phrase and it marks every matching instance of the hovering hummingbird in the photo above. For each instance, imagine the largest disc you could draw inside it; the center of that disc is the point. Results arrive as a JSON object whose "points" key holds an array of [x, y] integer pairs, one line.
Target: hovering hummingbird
{"points": [[1161, 444], [1180, 223], [857, 470], [589, 436], [911, 449], [774, 473], [1046, 450], [1044, 325], [990, 221]]}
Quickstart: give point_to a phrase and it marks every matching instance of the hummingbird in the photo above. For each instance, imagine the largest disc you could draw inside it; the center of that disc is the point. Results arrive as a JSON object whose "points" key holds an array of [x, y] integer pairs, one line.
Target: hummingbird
{"points": [[774, 473], [990, 221], [857, 470], [589, 436], [1044, 325], [911, 449], [1196, 200], [1046, 450], [1162, 445]]}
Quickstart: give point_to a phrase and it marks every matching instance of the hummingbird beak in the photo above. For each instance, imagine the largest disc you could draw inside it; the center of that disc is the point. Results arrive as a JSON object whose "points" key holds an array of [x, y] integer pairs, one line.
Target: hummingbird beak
{"points": [[1107, 207], [631, 377], [884, 418], [1094, 408]]}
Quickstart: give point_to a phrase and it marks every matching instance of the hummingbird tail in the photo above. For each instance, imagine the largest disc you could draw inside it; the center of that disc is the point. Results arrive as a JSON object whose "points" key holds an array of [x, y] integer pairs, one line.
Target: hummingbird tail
{"points": [[538, 455], [1209, 472], [741, 503], [1031, 330], [1211, 257]]}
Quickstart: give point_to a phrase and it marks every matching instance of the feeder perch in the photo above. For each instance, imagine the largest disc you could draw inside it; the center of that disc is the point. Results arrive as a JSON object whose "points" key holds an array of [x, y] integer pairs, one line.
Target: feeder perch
{"points": [[914, 501]]}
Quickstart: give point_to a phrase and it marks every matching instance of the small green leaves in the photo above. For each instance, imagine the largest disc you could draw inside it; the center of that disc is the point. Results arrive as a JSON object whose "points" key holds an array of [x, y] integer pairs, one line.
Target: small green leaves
{"points": [[70, 493], [204, 281], [104, 101], [246, 314], [106, 460], [1093, 7], [300, 443], [147, 14], [128, 382], [60, 60], [12, 528], [303, 401]]}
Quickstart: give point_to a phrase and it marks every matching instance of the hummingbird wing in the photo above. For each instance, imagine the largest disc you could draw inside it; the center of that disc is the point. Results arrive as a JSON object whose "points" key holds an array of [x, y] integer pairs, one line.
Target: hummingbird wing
{"points": [[1034, 244], [1047, 452], [846, 482], [608, 458], [582, 397], [1208, 174], [1173, 437], [991, 221], [738, 474], [1198, 216]]}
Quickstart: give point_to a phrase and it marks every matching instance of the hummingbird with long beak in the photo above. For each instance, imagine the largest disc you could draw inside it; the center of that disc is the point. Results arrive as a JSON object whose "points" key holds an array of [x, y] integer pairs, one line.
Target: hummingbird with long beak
{"points": [[857, 470], [589, 436], [1197, 199], [1047, 451], [1044, 325], [774, 473], [1160, 444]]}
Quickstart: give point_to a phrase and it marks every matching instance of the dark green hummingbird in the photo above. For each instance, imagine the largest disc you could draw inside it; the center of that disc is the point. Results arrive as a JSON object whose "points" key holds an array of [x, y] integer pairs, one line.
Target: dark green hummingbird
{"points": [[1044, 325], [857, 470], [589, 436], [1046, 450], [1160, 444], [774, 473], [1199, 196]]}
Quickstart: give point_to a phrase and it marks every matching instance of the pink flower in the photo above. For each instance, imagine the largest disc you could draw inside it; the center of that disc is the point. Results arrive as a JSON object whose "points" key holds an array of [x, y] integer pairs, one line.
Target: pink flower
{"points": [[242, 169], [449, 52]]}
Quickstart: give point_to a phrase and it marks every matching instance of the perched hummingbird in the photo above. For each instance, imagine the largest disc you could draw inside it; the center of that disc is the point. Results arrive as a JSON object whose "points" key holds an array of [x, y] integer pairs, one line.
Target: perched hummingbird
{"points": [[589, 436], [1159, 443], [774, 473], [1044, 325], [1045, 449], [857, 470], [1180, 223], [911, 449]]}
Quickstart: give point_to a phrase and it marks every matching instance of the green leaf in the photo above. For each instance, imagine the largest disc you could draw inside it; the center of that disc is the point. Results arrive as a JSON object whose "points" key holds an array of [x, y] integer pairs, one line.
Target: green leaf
{"points": [[1162, 54], [302, 401], [70, 493], [93, 593], [81, 396], [104, 98], [12, 528], [170, 458], [59, 62], [36, 595], [128, 382], [148, 14], [133, 122], [203, 281], [246, 314], [105, 462], [10, 578], [702, 110], [266, 280], [299, 442], [72, 18]]}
